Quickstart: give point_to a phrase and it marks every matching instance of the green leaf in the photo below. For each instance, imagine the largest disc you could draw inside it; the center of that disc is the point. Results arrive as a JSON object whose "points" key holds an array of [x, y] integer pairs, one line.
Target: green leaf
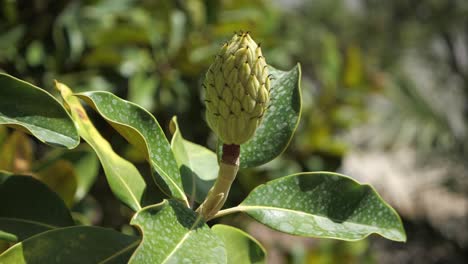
{"points": [[198, 165], [240, 246], [78, 244], [29, 207], [4, 236], [32, 109], [60, 177], [322, 204], [280, 122], [124, 179], [85, 164], [172, 233], [142, 130]]}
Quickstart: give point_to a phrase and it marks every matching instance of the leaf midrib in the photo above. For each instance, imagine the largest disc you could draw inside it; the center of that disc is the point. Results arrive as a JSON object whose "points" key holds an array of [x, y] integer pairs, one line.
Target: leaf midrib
{"points": [[125, 249], [113, 169], [183, 239], [177, 246]]}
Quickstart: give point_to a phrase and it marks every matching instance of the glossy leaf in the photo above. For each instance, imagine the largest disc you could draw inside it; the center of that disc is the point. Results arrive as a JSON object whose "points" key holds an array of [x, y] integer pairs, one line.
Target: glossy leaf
{"points": [[173, 234], [124, 179], [240, 246], [32, 109], [142, 130], [280, 122], [198, 165], [78, 244], [322, 204], [29, 207]]}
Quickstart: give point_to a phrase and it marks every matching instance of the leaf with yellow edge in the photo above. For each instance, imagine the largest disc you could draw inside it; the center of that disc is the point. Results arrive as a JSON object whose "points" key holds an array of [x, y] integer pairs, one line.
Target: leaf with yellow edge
{"points": [[142, 130], [124, 179]]}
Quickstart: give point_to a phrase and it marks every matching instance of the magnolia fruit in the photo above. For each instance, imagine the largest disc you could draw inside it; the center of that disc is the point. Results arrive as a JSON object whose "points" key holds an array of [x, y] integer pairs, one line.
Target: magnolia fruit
{"points": [[237, 89]]}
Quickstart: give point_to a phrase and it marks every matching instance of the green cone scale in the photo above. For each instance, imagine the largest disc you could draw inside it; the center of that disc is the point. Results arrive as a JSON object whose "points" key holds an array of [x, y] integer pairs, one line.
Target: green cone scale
{"points": [[237, 90]]}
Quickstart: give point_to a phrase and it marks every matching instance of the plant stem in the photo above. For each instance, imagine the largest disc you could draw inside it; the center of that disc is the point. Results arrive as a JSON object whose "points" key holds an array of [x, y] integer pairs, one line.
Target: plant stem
{"points": [[218, 194], [227, 211]]}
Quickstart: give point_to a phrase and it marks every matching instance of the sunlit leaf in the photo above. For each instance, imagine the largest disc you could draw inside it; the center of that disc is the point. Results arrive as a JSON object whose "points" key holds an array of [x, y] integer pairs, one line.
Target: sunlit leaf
{"points": [[322, 204], [142, 130], [32, 109], [172, 233], [124, 179], [240, 246]]}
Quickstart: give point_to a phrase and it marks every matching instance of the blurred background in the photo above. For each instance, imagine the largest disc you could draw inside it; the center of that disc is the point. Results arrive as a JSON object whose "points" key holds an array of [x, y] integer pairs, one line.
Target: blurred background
{"points": [[385, 100]]}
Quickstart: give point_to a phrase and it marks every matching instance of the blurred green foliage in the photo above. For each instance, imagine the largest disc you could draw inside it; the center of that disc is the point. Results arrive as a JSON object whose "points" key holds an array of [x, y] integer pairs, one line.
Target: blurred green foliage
{"points": [[152, 52], [392, 63]]}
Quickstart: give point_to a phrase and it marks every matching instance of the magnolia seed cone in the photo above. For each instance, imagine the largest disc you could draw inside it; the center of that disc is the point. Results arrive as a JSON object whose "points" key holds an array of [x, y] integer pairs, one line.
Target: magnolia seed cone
{"points": [[237, 88]]}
